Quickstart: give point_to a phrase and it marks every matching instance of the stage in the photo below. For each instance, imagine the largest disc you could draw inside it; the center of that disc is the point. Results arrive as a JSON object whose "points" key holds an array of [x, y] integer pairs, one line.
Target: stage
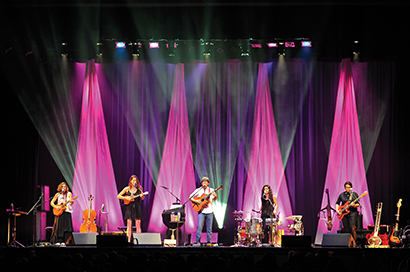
{"points": [[190, 258]]}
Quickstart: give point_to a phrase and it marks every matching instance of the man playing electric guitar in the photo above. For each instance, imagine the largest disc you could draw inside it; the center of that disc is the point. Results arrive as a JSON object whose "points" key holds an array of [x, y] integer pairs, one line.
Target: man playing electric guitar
{"points": [[205, 214], [350, 215]]}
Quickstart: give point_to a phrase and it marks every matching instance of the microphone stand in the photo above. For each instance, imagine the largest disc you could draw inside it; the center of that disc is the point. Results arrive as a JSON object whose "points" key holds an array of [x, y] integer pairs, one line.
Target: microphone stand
{"points": [[34, 208], [177, 199]]}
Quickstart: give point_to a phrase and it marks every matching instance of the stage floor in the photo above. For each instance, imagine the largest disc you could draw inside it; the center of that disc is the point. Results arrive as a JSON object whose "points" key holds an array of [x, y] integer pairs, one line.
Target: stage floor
{"points": [[188, 258]]}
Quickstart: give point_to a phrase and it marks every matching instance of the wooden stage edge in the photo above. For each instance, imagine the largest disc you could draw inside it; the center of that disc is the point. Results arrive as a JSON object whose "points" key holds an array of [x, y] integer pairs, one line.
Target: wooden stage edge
{"points": [[364, 259]]}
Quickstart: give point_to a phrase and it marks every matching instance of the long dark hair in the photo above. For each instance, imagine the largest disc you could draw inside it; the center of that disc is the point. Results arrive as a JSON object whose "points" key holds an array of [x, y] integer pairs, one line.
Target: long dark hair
{"points": [[137, 184], [270, 195]]}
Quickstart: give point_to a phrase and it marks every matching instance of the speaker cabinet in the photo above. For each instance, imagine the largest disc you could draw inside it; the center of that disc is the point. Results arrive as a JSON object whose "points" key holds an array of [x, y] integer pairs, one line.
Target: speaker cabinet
{"points": [[82, 238], [292, 241], [112, 240], [336, 239], [146, 239]]}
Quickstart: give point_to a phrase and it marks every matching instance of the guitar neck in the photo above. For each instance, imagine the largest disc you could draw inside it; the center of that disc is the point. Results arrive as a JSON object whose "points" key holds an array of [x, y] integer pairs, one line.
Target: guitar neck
{"points": [[377, 223]]}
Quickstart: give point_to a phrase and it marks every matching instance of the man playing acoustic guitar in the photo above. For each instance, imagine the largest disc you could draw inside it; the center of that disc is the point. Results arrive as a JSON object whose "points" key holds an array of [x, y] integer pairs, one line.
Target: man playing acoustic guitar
{"points": [[350, 215], [203, 197]]}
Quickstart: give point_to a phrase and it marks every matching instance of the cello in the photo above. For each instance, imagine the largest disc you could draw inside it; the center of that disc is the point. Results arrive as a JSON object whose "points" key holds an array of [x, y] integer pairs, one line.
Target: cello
{"points": [[89, 216]]}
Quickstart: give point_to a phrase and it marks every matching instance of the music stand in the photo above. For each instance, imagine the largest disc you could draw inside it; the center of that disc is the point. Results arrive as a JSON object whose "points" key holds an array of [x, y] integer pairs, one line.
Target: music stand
{"points": [[13, 230]]}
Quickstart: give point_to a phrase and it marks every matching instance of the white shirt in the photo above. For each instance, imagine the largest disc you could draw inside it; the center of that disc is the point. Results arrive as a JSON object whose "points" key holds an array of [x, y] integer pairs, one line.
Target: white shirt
{"points": [[199, 193], [62, 199]]}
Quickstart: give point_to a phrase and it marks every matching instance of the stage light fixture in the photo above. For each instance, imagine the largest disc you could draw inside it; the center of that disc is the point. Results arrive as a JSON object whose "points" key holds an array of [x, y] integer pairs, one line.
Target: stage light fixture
{"points": [[120, 45], [99, 49], [153, 45], [306, 44], [256, 45], [289, 44], [272, 45], [64, 52]]}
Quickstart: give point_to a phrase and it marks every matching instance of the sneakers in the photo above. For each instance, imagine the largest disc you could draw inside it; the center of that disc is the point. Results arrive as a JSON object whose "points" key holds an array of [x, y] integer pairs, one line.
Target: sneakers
{"points": [[57, 244], [62, 245]]}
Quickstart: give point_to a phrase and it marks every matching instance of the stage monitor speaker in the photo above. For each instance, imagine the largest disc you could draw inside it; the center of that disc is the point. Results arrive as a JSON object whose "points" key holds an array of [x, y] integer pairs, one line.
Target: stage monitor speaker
{"points": [[292, 241], [112, 240], [147, 239], [84, 238], [336, 239]]}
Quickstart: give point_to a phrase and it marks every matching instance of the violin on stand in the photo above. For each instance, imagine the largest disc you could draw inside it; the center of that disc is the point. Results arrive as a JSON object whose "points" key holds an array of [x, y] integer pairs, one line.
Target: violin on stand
{"points": [[89, 216]]}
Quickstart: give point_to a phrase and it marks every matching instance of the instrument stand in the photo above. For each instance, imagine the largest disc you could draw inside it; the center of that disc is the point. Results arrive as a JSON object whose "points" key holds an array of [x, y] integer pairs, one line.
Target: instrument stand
{"points": [[12, 230]]}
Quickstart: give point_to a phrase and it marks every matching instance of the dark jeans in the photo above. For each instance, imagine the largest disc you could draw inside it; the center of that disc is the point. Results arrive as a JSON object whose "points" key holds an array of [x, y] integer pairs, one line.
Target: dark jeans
{"points": [[349, 221]]}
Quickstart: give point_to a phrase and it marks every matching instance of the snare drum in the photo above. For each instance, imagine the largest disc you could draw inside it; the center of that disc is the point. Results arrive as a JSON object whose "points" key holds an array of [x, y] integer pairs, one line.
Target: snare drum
{"points": [[254, 226]]}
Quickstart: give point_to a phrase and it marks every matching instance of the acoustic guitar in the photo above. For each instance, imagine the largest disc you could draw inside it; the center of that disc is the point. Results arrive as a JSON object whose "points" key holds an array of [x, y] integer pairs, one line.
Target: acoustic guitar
{"points": [[395, 238], [374, 239], [60, 208], [132, 198], [204, 200], [344, 209]]}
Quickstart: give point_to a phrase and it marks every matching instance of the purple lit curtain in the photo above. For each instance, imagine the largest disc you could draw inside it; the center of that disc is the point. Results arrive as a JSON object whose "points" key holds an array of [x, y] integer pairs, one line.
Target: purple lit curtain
{"points": [[136, 107], [346, 156], [176, 171], [265, 166], [94, 174]]}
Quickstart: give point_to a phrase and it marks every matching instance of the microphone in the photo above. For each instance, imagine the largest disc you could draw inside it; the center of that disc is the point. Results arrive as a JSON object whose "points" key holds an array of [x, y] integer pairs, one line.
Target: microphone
{"points": [[164, 187]]}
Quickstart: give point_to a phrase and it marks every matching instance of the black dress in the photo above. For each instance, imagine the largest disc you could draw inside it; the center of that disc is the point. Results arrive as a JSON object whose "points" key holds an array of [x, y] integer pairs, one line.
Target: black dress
{"points": [[133, 210], [62, 227], [266, 212]]}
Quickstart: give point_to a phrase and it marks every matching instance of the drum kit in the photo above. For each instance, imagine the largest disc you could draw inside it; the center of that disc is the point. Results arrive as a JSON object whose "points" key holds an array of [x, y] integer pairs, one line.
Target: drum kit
{"points": [[250, 230]]}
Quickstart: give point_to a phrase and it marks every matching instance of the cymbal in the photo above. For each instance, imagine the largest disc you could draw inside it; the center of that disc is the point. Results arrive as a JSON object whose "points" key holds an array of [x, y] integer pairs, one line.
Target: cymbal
{"points": [[294, 217], [235, 212]]}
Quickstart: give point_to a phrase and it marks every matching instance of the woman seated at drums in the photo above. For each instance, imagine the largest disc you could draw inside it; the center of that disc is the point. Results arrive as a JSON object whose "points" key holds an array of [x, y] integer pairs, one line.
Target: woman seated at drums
{"points": [[268, 212]]}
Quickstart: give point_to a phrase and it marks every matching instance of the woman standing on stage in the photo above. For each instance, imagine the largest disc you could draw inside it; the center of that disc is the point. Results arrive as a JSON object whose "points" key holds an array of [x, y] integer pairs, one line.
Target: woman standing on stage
{"points": [[63, 224], [133, 210], [268, 210]]}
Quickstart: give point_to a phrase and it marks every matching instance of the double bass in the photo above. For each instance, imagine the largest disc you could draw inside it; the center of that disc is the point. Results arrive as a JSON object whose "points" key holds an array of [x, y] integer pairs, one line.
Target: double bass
{"points": [[89, 216]]}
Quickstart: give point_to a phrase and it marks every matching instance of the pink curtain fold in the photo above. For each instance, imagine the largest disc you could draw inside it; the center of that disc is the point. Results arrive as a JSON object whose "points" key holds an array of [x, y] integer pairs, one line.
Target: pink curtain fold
{"points": [[94, 173], [176, 171], [346, 156], [265, 165]]}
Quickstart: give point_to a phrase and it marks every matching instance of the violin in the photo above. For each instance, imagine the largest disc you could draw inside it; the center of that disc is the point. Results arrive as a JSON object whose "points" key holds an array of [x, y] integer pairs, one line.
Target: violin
{"points": [[89, 216]]}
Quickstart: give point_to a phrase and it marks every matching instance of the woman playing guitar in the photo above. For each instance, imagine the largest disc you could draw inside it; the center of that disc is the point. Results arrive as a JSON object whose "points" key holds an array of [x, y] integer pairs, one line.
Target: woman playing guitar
{"points": [[133, 210], [63, 224]]}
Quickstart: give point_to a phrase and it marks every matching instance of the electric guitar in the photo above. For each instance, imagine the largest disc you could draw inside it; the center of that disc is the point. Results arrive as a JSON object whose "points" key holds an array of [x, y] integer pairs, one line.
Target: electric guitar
{"points": [[344, 209], [395, 237], [132, 198], [60, 208], [374, 239], [204, 200]]}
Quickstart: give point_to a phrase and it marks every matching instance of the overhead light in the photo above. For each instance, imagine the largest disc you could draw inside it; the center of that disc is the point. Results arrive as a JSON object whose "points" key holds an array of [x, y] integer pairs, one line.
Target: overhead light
{"points": [[271, 45], [154, 45], [256, 45], [120, 45], [306, 43], [289, 44]]}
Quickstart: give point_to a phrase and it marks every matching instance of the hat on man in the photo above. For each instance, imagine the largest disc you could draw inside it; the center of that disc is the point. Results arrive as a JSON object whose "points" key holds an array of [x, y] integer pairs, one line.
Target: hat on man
{"points": [[205, 179]]}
